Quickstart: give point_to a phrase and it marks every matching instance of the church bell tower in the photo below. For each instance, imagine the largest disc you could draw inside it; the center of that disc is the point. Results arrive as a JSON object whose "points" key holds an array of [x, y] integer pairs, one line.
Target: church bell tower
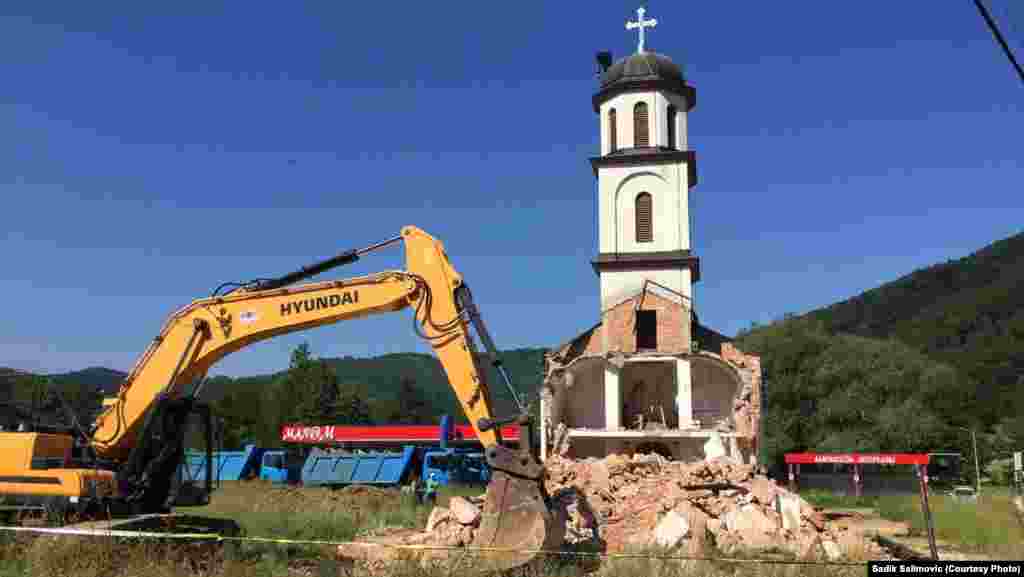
{"points": [[644, 172]]}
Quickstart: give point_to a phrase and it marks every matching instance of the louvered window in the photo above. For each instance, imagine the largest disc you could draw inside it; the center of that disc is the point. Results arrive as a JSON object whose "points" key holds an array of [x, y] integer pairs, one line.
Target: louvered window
{"points": [[640, 128], [613, 140], [644, 218], [671, 126]]}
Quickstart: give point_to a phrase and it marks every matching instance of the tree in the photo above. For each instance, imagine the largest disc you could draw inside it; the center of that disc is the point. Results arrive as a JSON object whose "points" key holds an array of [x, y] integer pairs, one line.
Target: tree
{"points": [[328, 399], [352, 408], [413, 407], [866, 394]]}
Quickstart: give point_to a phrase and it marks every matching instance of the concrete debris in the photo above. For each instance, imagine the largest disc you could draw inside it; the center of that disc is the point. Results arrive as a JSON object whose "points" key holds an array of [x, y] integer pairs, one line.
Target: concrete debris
{"points": [[788, 507], [437, 516], [751, 527], [714, 448], [628, 502], [464, 512], [671, 531], [832, 550], [622, 502], [560, 440]]}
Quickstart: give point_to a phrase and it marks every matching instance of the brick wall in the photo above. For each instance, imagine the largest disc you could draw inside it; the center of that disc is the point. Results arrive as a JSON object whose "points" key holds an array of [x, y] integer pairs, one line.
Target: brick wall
{"points": [[750, 369], [618, 326]]}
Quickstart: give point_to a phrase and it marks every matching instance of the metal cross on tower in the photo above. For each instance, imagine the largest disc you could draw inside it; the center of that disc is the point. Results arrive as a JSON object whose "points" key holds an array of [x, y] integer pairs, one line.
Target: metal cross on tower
{"points": [[641, 24]]}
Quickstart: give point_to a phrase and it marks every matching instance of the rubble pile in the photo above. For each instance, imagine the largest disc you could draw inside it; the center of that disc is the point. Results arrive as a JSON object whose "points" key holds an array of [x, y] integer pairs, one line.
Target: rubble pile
{"points": [[622, 503]]}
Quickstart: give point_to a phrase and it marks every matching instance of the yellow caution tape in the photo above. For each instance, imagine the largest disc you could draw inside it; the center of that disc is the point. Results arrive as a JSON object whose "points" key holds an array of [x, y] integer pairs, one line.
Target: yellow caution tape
{"points": [[408, 547]]}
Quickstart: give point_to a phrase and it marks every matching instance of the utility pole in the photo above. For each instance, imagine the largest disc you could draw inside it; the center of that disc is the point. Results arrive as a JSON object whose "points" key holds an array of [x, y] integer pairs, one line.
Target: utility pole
{"points": [[977, 469]]}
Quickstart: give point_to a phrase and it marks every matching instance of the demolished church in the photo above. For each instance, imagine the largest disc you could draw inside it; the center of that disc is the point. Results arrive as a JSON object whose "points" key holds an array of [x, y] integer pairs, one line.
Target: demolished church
{"points": [[648, 377]]}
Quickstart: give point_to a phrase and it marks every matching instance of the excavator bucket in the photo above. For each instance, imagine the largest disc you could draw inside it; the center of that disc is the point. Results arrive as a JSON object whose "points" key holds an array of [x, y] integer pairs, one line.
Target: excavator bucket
{"points": [[516, 524]]}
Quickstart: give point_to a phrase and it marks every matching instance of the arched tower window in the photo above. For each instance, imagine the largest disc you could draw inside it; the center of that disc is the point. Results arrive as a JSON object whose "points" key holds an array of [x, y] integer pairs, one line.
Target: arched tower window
{"points": [[640, 127], [644, 218], [671, 126], [613, 140]]}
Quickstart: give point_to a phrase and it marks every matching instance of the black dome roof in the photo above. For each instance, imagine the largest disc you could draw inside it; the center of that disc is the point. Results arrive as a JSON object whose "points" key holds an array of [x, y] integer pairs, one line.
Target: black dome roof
{"points": [[643, 71], [642, 66]]}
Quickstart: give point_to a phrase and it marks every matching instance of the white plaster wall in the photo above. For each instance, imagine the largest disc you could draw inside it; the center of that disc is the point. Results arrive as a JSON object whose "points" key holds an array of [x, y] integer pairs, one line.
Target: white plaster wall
{"points": [[612, 399], [681, 115], [617, 286], [684, 392], [581, 406], [618, 187], [659, 117], [713, 387], [657, 113]]}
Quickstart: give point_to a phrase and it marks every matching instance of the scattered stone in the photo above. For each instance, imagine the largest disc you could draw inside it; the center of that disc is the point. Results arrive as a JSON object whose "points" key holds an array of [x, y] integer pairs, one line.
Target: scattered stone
{"points": [[851, 544], [807, 545], [561, 440], [671, 531], [625, 501], [752, 526], [816, 519], [788, 507], [437, 516], [714, 448], [763, 489], [832, 550], [714, 525], [464, 512]]}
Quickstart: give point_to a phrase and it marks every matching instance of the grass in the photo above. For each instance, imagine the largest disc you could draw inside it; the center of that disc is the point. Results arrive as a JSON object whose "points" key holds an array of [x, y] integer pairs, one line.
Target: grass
{"points": [[988, 527], [828, 500], [262, 509]]}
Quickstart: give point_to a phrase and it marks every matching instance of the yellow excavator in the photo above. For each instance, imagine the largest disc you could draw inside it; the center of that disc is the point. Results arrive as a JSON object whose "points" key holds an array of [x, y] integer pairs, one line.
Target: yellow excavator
{"points": [[128, 462]]}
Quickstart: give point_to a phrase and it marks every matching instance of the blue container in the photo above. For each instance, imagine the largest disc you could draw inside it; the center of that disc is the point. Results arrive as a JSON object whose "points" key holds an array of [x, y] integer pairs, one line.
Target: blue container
{"points": [[343, 468], [229, 465]]}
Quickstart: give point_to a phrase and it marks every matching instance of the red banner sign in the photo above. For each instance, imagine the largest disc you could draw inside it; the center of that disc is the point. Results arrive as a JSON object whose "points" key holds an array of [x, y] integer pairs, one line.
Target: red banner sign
{"points": [[858, 458], [315, 434]]}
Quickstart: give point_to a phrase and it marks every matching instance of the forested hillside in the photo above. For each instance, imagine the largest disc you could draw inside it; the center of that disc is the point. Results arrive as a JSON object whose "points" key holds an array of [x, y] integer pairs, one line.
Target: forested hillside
{"points": [[968, 313], [904, 366]]}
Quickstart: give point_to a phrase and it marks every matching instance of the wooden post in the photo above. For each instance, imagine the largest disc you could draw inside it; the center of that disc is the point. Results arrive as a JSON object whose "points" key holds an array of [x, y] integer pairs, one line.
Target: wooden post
{"points": [[922, 473]]}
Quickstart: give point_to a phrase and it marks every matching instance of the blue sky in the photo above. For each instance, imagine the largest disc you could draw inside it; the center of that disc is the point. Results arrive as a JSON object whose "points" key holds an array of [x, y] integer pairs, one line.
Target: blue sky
{"points": [[149, 152]]}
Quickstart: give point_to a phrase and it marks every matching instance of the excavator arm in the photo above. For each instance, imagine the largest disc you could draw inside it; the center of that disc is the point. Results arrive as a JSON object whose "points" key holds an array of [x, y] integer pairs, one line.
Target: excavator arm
{"points": [[195, 337]]}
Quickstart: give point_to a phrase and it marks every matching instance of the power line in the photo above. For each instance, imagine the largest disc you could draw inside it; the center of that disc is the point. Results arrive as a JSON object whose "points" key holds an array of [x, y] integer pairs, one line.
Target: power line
{"points": [[999, 37]]}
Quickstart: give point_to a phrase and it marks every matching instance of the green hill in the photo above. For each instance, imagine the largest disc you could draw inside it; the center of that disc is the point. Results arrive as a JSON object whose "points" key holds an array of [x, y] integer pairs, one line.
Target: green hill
{"points": [[108, 380], [379, 378], [905, 365], [968, 313]]}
